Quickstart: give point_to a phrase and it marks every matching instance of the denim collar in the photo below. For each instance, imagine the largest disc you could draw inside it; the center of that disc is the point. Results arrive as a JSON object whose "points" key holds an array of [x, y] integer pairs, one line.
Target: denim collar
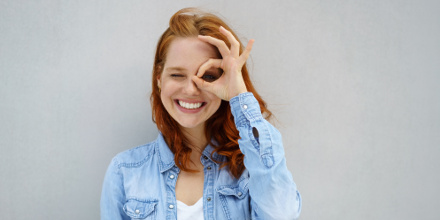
{"points": [[166, 157]]}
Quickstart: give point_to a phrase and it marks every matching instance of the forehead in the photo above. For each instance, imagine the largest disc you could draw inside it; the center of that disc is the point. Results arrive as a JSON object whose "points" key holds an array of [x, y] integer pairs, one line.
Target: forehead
{"points": [[189, 51]]}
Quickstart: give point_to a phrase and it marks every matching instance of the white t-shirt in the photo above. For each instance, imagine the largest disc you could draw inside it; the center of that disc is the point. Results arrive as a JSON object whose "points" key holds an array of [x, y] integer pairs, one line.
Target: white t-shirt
{"points": [[193, 212]]}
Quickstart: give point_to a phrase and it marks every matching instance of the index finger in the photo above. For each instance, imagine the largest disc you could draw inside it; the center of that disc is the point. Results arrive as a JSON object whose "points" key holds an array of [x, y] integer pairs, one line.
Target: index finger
{"points": [[221, 45]]}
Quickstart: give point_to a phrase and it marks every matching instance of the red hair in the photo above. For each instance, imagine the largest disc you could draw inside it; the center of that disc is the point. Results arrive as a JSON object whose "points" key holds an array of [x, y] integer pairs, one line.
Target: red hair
{"points": [[190, 22]]}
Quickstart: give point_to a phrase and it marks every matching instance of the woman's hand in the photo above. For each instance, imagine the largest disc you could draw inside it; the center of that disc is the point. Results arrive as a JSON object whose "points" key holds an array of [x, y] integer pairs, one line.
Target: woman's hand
{"points": [[231, 83]]}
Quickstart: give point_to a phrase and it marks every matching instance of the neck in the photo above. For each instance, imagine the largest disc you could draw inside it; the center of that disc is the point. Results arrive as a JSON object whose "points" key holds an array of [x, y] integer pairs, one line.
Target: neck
{"points": [[198, 143], [196, 138]]}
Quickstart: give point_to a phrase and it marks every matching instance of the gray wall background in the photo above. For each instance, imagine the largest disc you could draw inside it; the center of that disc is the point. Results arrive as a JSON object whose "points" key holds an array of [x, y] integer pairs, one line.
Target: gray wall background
{"points": [[353, 84]]}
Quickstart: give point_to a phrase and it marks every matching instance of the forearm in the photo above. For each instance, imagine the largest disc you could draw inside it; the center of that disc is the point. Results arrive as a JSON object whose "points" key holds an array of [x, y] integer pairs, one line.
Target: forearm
{"points": [[273, 192]]}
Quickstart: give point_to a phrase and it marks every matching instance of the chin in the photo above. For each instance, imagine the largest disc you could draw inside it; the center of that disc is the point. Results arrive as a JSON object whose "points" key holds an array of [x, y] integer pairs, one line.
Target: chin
{"points": [[190, 124]]}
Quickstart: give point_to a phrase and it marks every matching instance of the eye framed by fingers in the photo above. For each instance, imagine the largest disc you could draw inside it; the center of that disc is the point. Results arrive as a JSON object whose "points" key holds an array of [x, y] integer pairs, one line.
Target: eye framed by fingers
{"points": [[212, 75]]}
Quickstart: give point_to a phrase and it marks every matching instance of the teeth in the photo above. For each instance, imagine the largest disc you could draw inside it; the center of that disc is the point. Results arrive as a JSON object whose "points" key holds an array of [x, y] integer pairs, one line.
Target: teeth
{"points": [[190, 105]]}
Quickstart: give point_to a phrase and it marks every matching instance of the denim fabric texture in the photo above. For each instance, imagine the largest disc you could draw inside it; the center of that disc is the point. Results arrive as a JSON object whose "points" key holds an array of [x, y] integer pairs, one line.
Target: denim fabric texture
{"points": [[140, 182]]}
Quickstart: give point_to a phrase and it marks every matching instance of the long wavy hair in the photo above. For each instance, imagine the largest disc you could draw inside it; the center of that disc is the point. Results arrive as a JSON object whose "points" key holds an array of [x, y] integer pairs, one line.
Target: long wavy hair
{"points": [[220, 129]]}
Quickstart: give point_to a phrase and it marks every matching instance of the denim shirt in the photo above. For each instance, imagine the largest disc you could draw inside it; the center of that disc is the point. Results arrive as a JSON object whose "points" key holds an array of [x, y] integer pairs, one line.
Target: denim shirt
{"points": [[140, 182]]}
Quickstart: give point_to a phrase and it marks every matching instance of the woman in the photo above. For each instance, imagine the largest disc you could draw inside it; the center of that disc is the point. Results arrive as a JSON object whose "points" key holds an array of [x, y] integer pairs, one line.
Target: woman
{"points": [[216, 156]]}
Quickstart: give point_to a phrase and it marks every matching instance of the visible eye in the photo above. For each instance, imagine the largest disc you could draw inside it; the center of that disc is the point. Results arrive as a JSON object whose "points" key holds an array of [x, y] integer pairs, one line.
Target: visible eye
{"points": [[211, 76]]}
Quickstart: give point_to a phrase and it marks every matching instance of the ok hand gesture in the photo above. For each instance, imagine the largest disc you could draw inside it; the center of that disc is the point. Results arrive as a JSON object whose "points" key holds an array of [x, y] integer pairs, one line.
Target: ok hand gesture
{"points": [[231, 83]]}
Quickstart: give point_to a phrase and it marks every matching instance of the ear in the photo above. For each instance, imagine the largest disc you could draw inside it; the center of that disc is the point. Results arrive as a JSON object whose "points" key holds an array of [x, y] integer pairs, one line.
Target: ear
{"points": [[158, 76], [158, 81]]}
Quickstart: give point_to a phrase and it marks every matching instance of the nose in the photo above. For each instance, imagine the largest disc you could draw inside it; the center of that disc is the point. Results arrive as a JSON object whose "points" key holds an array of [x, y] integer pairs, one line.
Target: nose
{"points": [[191, 88]]}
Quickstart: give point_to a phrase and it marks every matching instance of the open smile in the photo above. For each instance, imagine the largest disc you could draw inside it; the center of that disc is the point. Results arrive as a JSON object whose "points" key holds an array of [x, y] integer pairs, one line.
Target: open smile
{"points": [[190, 105]]}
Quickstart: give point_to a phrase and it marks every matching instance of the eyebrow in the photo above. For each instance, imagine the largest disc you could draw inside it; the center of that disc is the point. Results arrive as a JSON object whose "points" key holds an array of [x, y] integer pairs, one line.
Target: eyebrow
{"points": [[176, 68]]}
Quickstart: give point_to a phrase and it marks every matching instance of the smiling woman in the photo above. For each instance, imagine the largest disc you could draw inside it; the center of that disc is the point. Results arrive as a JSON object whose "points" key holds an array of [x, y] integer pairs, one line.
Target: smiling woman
{"points": [[186, 103], [216, 157]]}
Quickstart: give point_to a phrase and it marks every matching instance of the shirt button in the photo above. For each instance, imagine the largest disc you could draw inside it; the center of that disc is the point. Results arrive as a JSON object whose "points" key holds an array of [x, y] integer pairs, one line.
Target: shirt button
{"points": [[137, 211], [209, 199], [239, 193], [205, 157], [171, 206], [244, 106], [209, 168], [171, 176]]}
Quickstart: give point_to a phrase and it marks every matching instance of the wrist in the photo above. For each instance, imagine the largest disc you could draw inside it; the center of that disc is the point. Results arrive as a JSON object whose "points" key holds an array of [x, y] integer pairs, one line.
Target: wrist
{"points": [[238, 93]]}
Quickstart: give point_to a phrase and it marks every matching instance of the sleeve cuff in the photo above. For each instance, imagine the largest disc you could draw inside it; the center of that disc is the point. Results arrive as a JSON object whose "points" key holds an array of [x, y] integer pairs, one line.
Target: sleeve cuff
{"points": [[245, 106]]}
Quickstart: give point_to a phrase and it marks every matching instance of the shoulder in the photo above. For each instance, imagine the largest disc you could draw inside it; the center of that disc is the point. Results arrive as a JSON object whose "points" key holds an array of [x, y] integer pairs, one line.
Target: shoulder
{"points": [[136, 156]]}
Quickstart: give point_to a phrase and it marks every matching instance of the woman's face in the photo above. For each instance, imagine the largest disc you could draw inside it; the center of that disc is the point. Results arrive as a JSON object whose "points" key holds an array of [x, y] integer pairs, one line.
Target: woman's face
{"points": [[183, 100]]}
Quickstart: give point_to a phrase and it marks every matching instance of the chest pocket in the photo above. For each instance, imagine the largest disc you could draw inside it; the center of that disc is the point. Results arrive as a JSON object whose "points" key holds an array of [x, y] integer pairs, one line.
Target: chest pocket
{"points": [[137, 209], [235, 200]]}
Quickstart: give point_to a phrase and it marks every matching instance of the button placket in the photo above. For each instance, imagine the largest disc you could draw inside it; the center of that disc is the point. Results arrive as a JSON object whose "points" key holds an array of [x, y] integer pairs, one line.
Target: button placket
{"points": [[171, 177], [209, 189]]}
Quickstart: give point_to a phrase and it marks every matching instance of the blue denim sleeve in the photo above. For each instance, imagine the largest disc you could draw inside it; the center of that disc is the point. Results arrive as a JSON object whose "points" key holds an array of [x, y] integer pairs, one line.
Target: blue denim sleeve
{"points": [[113, 194], [273, 192]]}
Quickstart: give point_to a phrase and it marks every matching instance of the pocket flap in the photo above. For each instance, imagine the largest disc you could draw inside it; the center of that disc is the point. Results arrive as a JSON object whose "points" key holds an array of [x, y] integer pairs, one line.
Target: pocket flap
{"points": [[240, 190], [139, 209]]}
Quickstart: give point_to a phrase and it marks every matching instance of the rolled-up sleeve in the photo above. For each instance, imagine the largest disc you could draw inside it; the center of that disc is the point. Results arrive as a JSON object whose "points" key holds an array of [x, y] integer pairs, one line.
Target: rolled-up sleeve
{"points": [[273, 192]]}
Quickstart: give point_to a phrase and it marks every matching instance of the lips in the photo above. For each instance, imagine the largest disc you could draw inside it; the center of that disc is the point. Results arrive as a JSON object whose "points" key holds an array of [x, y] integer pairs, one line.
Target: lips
{"points": [[190, 105]]}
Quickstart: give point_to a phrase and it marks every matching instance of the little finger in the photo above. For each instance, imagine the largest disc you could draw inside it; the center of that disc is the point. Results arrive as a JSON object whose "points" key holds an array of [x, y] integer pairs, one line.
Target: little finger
{"points": [[245, 55]]}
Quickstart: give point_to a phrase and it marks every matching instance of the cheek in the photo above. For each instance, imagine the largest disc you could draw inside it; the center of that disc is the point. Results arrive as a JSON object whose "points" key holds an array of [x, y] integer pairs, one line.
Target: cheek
{"points": [[167, 89], [166, 97]]}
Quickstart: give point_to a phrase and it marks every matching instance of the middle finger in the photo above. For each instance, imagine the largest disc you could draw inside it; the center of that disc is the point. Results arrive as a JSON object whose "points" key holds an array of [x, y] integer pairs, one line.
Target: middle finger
{"points": [[235, 45]]}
